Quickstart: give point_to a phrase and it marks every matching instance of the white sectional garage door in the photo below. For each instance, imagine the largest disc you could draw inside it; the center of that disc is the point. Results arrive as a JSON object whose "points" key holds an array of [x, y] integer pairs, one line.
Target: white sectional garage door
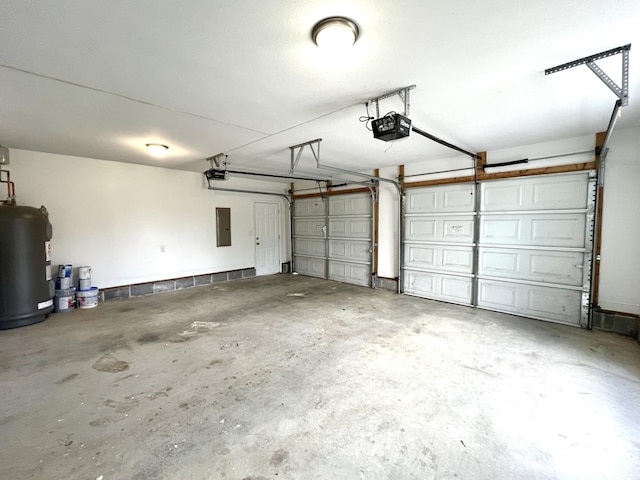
{"points": [[309, 237], [531, 251], [535, 247], [438, 243], [333, 238]]}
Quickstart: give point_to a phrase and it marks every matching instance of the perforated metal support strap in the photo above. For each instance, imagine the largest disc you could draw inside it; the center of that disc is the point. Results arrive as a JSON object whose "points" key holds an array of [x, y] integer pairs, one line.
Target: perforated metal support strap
{"points": [[296, 152], [622, 92], [403, 93]]}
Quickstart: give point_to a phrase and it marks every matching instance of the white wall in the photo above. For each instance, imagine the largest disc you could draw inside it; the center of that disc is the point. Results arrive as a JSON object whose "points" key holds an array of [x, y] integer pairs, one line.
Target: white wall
{"points": [[620, 264], [388, 225], [117, 217]]}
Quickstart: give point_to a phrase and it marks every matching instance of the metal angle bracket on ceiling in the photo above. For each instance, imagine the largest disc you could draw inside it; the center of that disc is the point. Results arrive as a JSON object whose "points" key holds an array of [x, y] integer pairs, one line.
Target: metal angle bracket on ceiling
{"points": [[622, 92], [403, 93], [295, 157], [218, 159]]}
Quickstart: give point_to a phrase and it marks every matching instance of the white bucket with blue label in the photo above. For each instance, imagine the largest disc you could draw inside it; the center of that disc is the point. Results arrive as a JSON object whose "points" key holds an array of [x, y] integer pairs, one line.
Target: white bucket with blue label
{"points": [[84, 278], [87, 298]]}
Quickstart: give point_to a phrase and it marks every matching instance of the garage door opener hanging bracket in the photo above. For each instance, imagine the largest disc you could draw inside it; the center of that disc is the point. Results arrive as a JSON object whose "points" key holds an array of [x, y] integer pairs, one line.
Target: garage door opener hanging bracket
{"points": [[622, 92], [299, 149], [403, 93]]}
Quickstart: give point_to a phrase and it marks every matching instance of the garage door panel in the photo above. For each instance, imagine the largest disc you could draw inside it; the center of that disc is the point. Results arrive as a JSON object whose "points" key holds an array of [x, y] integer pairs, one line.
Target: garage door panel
{"points": [[358, 274], [332, 237], [309, 207], [311, 227], [548, 303], [347, 249], [350, 204], [445, 199], [438, 286], [553, 230], [314, 267], [536, 193], [563, 268], [350, 227], [440, 229], [439, 257], [315, 247]]}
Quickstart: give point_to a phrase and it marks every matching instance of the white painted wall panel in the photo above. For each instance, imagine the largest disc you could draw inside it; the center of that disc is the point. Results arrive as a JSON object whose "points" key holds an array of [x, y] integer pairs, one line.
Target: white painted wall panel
{"points": [[620, 264], [131, 231], [547, 303], [539, 229]]}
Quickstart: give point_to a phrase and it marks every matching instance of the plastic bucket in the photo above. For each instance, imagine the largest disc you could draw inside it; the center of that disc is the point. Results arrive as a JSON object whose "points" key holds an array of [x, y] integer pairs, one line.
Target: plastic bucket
{"points": [[65, 270], [65, 300], [87, 298], [84, 283], [84, 273]]}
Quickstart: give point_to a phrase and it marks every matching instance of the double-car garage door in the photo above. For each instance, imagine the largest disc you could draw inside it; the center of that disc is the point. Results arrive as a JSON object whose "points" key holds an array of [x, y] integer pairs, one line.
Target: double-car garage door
{"points": [[520, 246], [332, 237]]}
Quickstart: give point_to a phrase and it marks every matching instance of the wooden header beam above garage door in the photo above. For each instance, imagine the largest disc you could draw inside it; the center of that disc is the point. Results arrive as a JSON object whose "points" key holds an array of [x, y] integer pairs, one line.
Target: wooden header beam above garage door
{"points": [[481, 175]]}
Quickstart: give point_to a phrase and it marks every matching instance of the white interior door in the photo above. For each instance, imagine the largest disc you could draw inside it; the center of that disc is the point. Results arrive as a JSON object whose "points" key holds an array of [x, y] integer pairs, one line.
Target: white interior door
{"points": [[267, 223]]}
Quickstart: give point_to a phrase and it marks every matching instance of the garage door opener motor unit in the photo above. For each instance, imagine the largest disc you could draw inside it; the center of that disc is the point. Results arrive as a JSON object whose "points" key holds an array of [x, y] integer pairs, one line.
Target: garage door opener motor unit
{"points": [[391, 127]]}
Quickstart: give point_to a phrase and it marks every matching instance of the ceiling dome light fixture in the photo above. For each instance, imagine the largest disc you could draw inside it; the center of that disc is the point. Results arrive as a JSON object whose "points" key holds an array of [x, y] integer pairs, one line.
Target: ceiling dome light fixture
{"points": [[334, 33], [157, 149]]}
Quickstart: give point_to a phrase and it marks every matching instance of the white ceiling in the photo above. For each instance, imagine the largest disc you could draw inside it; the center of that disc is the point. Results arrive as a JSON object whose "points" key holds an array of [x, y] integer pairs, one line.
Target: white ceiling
{"points": [[100, 79]]}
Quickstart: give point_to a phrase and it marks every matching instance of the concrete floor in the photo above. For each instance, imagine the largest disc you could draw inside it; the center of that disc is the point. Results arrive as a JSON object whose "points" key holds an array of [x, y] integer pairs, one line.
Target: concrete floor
{"points": [[288, 377]]}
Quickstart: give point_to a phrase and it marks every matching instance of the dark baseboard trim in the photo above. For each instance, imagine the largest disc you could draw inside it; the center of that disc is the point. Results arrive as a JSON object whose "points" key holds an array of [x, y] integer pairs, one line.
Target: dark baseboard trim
{"points": [[387, 283], [139, 289], [624, 324]]}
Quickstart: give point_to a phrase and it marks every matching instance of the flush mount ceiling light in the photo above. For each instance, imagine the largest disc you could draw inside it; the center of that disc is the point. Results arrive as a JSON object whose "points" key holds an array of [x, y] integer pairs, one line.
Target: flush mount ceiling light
{"points": [[157, 149], [335, 33]]}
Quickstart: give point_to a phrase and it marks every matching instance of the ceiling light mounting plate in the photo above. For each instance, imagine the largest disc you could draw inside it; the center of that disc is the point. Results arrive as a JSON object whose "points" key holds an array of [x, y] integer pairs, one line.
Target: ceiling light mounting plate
{"points": [[157, 149]]}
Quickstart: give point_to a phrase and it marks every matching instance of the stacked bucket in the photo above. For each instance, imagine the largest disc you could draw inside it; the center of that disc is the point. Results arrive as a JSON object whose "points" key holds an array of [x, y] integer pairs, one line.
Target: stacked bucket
{"points": [[65, 299], [86, 296], [68, 297]]}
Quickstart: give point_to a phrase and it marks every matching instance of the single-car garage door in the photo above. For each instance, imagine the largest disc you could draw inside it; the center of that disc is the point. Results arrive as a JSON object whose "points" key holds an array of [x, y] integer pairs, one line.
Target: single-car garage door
{"points": [[535, 246], [333, 237], [523, 247], [438, 242]]}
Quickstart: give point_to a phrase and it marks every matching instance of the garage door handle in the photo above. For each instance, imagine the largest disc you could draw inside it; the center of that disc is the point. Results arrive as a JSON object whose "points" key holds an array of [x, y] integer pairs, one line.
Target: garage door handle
{"points": [[324, 231], [579, 266]]}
